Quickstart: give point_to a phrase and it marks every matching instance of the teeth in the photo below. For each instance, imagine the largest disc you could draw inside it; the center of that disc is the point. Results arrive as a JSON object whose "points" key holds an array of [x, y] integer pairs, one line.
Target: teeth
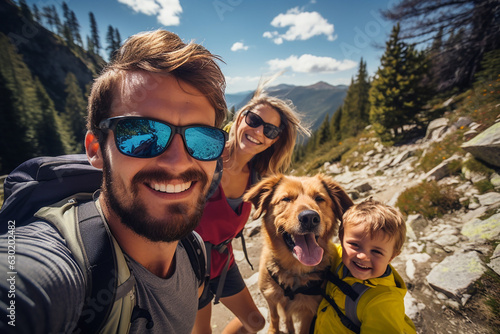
{"points": [[361, 266], [253, 140], [170, 188]]}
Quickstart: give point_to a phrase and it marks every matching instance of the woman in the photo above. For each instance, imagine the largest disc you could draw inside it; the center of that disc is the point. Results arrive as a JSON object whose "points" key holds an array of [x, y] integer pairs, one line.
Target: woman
{"points": [[261, 142]]}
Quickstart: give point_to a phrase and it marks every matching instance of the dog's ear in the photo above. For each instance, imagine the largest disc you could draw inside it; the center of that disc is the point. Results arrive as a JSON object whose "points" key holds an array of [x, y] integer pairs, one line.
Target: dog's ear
{"points": [[341, 201], [261, 193]]}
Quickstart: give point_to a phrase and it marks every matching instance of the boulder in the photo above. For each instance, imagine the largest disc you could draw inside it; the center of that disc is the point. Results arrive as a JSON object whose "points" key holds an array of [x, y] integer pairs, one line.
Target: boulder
{"points": [[456, 274], [436, 128], [441, 170], [486, 145], [488, 229]]}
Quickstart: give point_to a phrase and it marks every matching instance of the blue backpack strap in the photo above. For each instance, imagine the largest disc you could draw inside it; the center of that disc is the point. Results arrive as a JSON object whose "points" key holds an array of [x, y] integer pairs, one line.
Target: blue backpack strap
{"points": [[101, 269]]}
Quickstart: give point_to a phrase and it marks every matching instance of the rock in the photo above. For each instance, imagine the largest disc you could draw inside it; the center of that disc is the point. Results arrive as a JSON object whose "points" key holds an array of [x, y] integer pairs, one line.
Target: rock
{"points": [[441, 170], [478, 229], [436, 128], [496, 253], [486, 145], [489, 198], [401, 157], [363, 187], [495, 265], [495, 180], [462, 122], [412, 307], [417, 222], [447, 240], [456, 274]]}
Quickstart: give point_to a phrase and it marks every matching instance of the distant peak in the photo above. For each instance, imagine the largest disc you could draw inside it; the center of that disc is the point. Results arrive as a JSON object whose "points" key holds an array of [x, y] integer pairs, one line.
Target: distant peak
{"points": [[321, 85]]}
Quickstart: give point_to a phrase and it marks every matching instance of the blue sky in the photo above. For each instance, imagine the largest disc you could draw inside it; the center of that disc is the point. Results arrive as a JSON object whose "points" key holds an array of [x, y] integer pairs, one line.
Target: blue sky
{"points": [[315, 40]]}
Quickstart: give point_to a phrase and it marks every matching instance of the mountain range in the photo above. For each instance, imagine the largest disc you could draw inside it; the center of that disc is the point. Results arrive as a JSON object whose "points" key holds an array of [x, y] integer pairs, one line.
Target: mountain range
{"points": [[313, 102]]}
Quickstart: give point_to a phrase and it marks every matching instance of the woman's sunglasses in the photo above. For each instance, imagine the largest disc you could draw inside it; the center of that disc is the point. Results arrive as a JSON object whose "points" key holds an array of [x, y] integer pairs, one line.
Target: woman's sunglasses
{"points": [[253, 120], [140, 137]]}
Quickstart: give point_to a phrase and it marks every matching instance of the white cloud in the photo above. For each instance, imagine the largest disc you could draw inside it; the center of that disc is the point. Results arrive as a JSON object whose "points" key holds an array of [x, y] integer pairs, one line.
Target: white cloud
{"points": [[239, 46], [302, 26], [311, 64], [167, 12]]}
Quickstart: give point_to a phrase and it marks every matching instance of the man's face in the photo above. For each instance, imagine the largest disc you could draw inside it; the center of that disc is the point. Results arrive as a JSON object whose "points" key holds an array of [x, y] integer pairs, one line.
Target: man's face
{"points": [[160, 198]]}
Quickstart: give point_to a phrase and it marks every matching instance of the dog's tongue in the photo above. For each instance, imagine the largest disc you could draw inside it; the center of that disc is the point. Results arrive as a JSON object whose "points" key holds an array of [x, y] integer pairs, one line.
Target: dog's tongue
{"points": [[307, 249]]}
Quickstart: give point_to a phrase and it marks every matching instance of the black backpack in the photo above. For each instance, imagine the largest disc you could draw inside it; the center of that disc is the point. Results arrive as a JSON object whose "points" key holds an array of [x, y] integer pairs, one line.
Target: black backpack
{"points": [[43, 181]]}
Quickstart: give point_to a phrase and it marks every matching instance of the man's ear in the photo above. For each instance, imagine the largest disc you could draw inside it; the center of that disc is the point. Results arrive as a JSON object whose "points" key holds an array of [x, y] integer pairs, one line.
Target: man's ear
{"points": [[93, 149]]}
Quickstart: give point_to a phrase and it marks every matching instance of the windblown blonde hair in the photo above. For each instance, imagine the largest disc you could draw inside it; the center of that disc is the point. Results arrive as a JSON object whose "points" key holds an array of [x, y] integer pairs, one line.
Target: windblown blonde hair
{"points": [[278, 157]]}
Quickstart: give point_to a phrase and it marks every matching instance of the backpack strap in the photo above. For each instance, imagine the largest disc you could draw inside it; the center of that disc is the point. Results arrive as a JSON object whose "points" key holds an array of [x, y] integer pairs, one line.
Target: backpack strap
{"points": [[352, 296], [195, 248], [100, 266]]}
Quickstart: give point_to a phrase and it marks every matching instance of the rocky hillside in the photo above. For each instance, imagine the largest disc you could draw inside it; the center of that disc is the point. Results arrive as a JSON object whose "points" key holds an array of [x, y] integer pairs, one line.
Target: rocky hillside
{"points": [[451, 264]]}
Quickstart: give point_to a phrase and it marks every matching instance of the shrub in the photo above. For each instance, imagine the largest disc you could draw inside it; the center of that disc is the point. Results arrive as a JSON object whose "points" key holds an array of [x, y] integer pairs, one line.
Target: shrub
{"points": [[429, 199]]}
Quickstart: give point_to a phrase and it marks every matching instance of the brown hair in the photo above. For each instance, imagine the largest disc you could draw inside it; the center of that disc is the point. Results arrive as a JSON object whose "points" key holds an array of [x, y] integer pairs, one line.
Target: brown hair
{"points": [[160, 52], [377, 217], [278, 157]]}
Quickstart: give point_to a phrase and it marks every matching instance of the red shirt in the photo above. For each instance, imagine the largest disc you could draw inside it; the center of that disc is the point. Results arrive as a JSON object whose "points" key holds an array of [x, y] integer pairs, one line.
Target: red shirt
{"points": [[220, 223]]}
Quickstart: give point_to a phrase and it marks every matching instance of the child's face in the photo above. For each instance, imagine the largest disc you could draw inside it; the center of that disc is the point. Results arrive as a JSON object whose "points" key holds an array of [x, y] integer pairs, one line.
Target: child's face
{"points": [[366, 256]]}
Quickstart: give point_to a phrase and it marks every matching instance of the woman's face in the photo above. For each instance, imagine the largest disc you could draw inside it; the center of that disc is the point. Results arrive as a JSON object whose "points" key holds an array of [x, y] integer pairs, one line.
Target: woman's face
{"points": [[252, 140]]}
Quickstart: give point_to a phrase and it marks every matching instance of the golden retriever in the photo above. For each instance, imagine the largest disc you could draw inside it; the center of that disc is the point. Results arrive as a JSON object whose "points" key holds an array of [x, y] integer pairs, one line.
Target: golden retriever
{"points": [[300, 217]]}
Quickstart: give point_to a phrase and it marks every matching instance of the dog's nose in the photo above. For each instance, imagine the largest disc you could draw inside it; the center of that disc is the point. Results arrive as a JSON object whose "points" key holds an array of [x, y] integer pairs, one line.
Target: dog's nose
{"points": [[309, 219]]}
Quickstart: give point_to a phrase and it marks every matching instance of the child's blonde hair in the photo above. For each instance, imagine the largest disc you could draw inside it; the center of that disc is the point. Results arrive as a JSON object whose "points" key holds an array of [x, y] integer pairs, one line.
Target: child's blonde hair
{"points": [[377, 217]]}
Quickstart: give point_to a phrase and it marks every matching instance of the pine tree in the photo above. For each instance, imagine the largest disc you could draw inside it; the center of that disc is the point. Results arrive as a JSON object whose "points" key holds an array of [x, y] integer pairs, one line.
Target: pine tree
{"points": [[356, 106], [94, 35], [54, 137], [396, 95], [110, 39], [37, 16], [325, 134], [75, 110], [118, 39], [75, 29]]}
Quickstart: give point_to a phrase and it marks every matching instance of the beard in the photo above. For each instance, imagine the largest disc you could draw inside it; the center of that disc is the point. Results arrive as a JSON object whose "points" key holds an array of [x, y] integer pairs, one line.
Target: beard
{"points": [[177, 221]]}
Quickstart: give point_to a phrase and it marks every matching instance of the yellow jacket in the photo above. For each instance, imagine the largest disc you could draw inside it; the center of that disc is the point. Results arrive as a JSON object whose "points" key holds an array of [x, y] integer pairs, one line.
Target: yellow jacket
{"points": [[380, 309]]}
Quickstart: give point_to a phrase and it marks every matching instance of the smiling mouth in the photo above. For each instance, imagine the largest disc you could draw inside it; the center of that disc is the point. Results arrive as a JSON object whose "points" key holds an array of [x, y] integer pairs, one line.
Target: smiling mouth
{"points": [[253, 140], [361, 266], [171, 188], [304, 247]]}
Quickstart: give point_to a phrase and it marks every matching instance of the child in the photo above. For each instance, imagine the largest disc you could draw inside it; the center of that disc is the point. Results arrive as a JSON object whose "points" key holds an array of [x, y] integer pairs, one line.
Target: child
{"points": [[364, 293]]}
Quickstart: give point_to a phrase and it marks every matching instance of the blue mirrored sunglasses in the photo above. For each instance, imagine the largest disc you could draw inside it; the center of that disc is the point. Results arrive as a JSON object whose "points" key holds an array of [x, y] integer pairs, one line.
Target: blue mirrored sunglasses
{"points": [[140, 137]]}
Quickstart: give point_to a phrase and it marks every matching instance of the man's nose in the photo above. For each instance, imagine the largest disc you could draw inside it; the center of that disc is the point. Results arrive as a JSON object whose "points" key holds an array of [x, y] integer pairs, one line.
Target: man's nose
{"points": [[176, 156]]}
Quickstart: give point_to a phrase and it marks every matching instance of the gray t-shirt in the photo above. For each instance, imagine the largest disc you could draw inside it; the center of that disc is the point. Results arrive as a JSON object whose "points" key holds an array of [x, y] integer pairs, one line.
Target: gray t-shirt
{"points": [[48, 287]]}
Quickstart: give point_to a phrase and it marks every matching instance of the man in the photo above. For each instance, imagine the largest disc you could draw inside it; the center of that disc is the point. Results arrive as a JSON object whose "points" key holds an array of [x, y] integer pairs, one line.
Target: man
{"points": [[152, 126]]}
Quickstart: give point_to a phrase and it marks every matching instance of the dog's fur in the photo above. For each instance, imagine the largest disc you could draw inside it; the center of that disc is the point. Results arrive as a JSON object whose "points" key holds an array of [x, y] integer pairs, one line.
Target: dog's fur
{"points": [[293, 207]]}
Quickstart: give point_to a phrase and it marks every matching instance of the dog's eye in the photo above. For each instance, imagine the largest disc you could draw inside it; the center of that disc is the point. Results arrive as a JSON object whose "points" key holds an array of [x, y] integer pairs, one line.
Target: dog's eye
{"points": [[286, 199], [319, 199]]}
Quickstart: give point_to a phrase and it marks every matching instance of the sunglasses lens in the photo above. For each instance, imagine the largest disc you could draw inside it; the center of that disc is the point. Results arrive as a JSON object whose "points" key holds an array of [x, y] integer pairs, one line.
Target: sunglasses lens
{"points": [[204, 143], [270, 131], [141, 138], [254, 120]]}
